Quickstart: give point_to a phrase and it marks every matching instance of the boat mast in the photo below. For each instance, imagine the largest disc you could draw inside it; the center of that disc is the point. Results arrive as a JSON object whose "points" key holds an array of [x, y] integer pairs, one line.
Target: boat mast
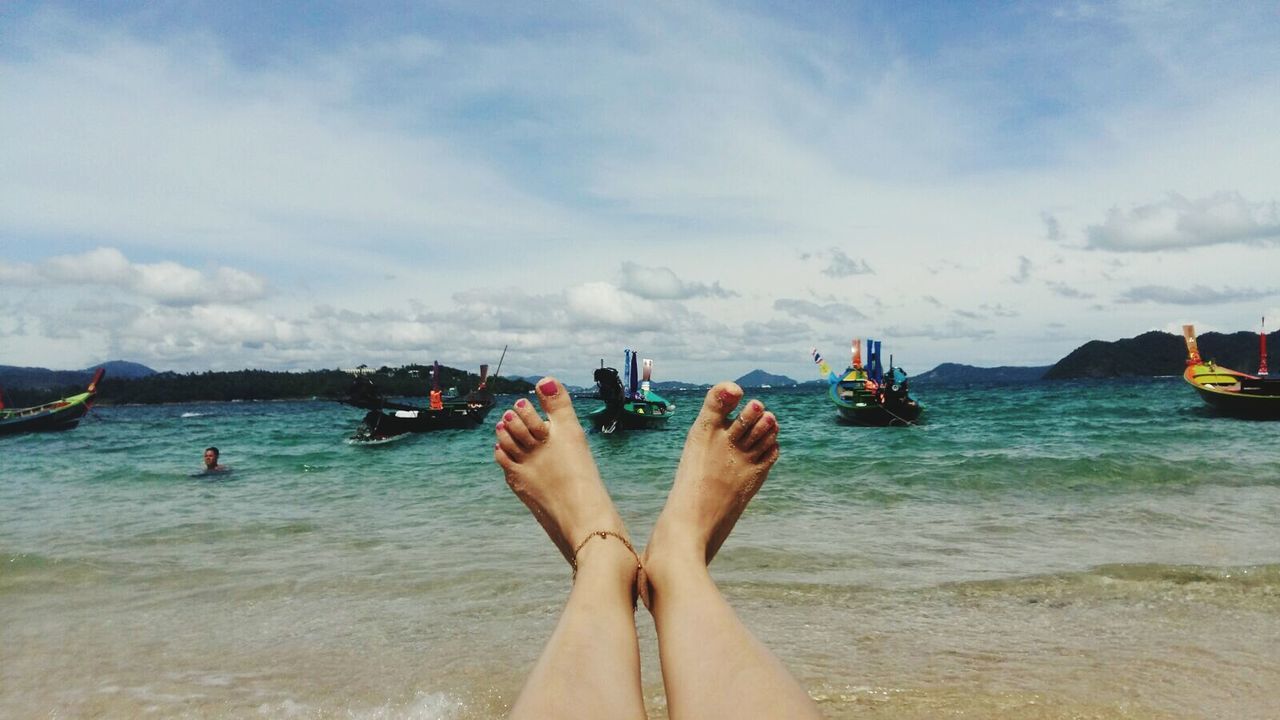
{"points": [[1262, 342], [633, 382], [1193, 351], [504, 357]]}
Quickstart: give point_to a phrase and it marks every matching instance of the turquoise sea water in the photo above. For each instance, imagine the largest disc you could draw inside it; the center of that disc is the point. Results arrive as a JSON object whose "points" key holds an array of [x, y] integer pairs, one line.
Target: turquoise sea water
{"points": [[1055, 550]]}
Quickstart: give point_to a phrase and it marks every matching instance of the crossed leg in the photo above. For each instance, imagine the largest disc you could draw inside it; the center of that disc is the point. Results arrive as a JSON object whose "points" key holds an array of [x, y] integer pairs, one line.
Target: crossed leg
{"points": [[712, 666], [590, 668]]}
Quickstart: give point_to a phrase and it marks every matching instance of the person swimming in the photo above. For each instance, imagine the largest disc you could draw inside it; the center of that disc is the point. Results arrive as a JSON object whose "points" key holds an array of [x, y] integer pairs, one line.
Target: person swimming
{"points": [[712, 666], [211, 461]]}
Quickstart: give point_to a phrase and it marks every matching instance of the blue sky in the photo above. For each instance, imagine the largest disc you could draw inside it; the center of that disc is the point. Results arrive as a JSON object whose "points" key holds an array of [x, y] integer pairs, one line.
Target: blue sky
{"points": [[722, 186]]}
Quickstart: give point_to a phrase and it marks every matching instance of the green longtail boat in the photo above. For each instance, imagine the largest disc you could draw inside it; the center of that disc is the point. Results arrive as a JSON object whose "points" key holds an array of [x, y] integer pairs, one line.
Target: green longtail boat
{"points": [[62, 414], [630, 405]]}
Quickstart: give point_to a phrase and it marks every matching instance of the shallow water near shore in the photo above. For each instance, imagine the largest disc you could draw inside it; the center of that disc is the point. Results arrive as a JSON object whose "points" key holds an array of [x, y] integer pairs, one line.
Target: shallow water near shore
{"points": [[1053, 550]]}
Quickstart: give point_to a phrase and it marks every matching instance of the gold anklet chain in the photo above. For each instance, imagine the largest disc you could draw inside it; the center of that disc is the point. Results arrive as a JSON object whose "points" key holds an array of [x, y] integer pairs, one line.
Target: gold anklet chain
{"points": [[602, 534]]}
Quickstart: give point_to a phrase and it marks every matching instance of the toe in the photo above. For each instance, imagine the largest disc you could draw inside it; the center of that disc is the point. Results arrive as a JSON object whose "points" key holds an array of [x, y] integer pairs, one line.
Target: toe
{"points": [[764, 430], [516, 428], [720, 401], [747, 421], [532, 421], [504, 460], [508, 444], [555, 400], [767, 453]]}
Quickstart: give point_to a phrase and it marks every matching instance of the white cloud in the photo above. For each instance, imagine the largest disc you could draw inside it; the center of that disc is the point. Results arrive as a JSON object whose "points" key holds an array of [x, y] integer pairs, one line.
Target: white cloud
{"points": [[18, 274], [1193, 295], [1023, 272], [948, 331], [1179, 223], [661, 283], [156, 142], [842, 265], [168, 283], [600, 304], [1052, 228], [776, 332], [1065, 290], [828, 313]]}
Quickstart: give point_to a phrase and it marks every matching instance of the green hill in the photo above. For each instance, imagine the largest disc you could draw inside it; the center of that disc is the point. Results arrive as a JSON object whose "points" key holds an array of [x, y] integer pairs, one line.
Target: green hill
{"points": [[34, 378], [948, 373], [1158, 353], [760, 378]]}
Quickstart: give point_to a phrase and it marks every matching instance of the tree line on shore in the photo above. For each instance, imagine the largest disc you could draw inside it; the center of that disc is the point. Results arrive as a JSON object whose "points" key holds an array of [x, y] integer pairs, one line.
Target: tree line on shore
{"points": [[217, 386]]}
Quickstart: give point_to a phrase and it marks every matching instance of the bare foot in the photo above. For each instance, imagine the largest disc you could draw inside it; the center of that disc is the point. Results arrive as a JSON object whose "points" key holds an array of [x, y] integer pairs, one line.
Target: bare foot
{"points": [[723, 464], [549, 467]]}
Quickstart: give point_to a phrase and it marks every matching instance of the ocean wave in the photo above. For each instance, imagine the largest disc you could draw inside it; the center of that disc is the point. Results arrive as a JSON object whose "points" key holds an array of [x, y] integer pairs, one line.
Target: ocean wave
{"points": [[917, 703], [424, 706], [1248, 584], [32, 572]]}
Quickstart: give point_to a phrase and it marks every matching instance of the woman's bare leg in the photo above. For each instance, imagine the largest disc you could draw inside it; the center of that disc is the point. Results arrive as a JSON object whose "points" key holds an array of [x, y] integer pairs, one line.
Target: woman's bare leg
{"points": [[590, 668], [711, 664]]}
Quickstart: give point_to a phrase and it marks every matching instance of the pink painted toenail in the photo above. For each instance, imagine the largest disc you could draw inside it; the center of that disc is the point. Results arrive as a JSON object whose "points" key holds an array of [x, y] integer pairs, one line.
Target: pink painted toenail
{"points": [[755, 405], [508, 416], [521, 403], [500, 426], [549, 388], [727, 397]]}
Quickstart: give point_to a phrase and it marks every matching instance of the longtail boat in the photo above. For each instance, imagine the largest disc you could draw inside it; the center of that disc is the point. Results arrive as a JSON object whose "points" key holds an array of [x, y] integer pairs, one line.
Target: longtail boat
{"points": [[629, 406], [62, 414], [869, 394], [387, 420], [1231, 392]]}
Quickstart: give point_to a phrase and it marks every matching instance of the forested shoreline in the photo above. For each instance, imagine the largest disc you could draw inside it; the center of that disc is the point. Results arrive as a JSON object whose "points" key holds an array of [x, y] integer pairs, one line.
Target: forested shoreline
{"points": [[225, 386]]}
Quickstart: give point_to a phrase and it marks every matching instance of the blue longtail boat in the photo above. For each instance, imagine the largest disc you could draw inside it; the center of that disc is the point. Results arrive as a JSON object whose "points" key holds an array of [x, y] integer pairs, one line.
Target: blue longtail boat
{"points": [[869, 394]]}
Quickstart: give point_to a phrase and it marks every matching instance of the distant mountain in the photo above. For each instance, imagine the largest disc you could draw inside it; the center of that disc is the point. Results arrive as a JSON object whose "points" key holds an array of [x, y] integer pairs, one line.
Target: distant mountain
{"points": [[947, 373], [670, 385], [122, 369], [760, 378], [1158, 353], [30, 378]]}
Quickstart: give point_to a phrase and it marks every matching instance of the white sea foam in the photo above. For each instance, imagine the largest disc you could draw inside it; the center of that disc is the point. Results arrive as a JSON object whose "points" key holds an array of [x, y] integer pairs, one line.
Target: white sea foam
{"points": [[424, 706]]}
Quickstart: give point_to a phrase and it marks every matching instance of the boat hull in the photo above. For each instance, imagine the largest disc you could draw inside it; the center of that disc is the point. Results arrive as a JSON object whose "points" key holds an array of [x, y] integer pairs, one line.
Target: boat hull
{"points": [[378, 425], [57, 416], [629, 416], [1235, 394], [857, 404], [876, 415]]}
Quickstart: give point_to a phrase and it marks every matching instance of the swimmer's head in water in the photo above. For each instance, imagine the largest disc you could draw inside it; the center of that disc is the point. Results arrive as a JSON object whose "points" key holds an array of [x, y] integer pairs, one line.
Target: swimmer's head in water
{"points": [[211, 457]]}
